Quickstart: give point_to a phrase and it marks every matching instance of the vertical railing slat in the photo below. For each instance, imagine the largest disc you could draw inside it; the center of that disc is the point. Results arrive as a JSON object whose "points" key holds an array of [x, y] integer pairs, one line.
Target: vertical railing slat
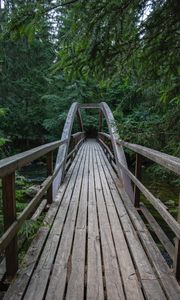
{"points": [[49, 173], [138, 176]]}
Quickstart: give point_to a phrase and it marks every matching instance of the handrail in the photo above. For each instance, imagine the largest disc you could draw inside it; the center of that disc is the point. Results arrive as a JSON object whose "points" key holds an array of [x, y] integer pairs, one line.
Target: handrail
{"points": [[12, 163], [168, 161]]}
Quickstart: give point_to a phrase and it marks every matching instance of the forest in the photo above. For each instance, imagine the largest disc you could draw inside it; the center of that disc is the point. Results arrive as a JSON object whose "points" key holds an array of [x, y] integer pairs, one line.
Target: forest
{"points": [[122, 52], [53, 53]]}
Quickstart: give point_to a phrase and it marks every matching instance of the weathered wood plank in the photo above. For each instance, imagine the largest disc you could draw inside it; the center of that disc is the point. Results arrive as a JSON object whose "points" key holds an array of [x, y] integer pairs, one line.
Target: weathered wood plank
{"points": [[94, 260], [75, 287], [62, 267], [114, 288], [130, 282], [89, 105]]}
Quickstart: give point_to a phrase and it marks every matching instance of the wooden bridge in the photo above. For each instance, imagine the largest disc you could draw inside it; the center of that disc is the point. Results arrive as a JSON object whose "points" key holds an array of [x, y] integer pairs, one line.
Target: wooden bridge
{"points": [[94, 242]]}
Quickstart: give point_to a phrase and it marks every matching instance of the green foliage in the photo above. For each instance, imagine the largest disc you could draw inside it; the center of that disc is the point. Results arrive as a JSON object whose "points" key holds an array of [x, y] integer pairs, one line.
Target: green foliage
{"points": [[122, 52], [29, 228]]}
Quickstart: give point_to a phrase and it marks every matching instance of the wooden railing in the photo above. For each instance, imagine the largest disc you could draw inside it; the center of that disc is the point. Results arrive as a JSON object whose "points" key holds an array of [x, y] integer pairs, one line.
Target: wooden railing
{"points": [[8, 167], [171, 163]]}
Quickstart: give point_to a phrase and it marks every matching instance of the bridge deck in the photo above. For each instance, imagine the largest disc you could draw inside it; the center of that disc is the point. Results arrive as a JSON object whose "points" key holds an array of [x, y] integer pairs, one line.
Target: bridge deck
{"points": [[94, 244]]}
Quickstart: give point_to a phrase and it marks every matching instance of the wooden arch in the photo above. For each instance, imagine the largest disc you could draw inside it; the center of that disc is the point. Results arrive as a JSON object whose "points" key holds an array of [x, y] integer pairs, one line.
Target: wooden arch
{"points": [[117, 149], [63, 149]]}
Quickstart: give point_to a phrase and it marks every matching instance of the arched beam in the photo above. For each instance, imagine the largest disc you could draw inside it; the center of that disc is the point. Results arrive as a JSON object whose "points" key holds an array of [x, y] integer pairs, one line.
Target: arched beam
{"points": [[118, 149], [100, 120], [63, 149], [80, 119]]}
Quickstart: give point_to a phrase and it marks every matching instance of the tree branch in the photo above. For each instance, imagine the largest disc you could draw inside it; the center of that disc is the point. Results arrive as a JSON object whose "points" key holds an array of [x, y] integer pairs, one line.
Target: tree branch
{"points": [[60, 5]]}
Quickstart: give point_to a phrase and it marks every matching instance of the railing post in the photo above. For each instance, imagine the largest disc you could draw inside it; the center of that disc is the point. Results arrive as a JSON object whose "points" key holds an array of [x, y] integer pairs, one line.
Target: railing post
{"points": [[177, 251], [49, 173], [100, 120], [138, 176], [9, 212]]}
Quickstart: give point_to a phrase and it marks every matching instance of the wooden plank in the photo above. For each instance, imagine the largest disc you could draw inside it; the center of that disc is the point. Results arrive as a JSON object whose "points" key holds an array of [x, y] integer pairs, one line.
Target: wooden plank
{"points": [[18, 287], [158, 231], [149, 281], [130, 282], [118, 150], [75, 287], [164, 274], [89, 105], [94, 261], [9, 214], [11, 164], [63, 262], [38, 283], [114, 288]]}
